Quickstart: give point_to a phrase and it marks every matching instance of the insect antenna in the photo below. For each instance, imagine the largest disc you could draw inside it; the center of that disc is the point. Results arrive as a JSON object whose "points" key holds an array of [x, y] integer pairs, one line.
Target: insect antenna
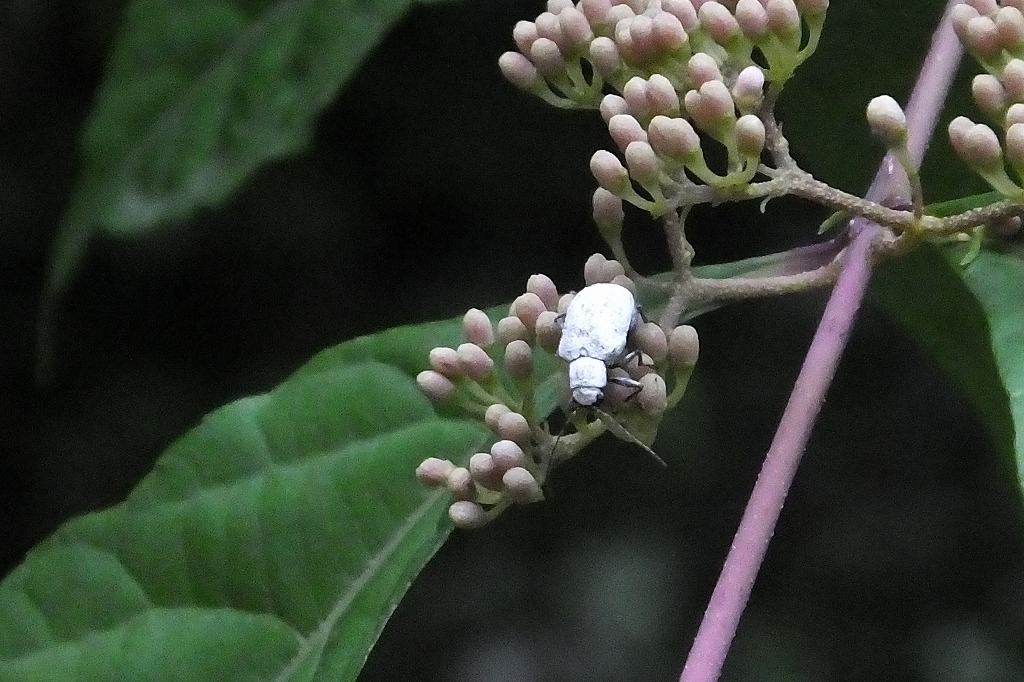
{"points": [[616, 427]]}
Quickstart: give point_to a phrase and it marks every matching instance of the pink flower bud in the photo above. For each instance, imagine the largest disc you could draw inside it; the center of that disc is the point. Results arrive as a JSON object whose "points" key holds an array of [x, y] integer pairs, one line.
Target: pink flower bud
{"points": [[986, 7], [563, 302], [605, 56], [702, 68], [982, 37], [1015, 114], [635, 94], [476, 327], [543, 287], [445, 361], [624, 129], [460, 483], [667, 33], [748, 90], [812, 8], [513, 426], [433, 472], [596, 11], [593, 269], [750, 135], [989, 95], [643, 163], [1012, 80], [549, 27], [610, 269], [978, 145], [467, 515], [608, 212], [527, 307], [887, 120], [474, 361], [752, 18], [546, 56], [519, 359], [711, 106], [609, 172], [484, 472], [653, 395], [493, 413], [1010, 27], [524, 33], [673, 138], [549, 332], [641, 31], [960, 16], [521, 486], [719, 23], [682, 10], [624, 281], [650, 339], [612, 105], [518, 70], [683, 346], [511, 328], [661, 96], [575, 27], [506, 455], [784, 20], [1015, 146]]}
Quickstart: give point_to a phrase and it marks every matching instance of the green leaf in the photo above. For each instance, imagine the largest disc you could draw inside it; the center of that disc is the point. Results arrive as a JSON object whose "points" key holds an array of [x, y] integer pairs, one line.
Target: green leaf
{"points": [[198, 95], [273, 541]]}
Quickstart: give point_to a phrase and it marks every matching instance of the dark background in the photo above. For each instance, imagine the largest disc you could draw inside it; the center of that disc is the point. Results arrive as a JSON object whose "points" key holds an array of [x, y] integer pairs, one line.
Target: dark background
{"points": [[433, 186]]}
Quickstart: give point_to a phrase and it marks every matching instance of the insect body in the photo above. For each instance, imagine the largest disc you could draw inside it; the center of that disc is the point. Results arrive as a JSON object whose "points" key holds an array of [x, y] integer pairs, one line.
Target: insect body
{"points": [[597, 322]]}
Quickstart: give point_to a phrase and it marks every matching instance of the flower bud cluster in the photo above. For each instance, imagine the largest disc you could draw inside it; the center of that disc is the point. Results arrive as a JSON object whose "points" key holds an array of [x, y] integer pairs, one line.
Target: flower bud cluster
{"points": [[469, 377], [679, 68], [993, 32]]}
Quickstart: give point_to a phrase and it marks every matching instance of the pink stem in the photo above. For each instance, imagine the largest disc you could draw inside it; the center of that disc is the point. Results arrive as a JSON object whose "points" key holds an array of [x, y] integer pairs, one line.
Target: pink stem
{"points": [[716, 632]]}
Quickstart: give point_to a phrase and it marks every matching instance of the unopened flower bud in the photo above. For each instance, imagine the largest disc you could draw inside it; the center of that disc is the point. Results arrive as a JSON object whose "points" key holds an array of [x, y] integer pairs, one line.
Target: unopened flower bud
{"points": [[548, 331], [641, 32], [683, 346], [433, 472], [653, 395], [673, 138], [702, 68], [661, 96], [519, 358], [575, 27], [1010, 28], [595, 10], [546, 56], [506, 455], [643, 163], [549, 27], [1015, 114], [605, 56], [513, 426], [521, 486], [446, 361], [518, 70], [524, 33], [609, 172], [667, 33], [719, 23], [978, 145], [527, 307], [460, 482], [711, 107], [493, 414], [784, 20], [989, 95], [752, 18], [812, 8], [1015, 146], [624, 129], [887, 120], [649, 338], [635, 94], [435, 386], [982, 37], [612, 105], [1012, 79], [511, 328], [593, 269], [484, 471], [608, 213], [960, 16], [467, 515], [474, 361], [749, 136], [541, 285], [625, 282], [748, 90], [564, 301], [476, 327], [610, 269]]}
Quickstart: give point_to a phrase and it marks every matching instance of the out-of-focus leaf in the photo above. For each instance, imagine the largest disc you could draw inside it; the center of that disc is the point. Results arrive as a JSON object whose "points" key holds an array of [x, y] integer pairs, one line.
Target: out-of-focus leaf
{"points": [[198, 95]]}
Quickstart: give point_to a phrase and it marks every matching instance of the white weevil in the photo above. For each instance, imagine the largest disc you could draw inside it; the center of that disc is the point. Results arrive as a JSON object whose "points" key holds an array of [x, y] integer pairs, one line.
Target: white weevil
{"points": [[594, 332]]}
